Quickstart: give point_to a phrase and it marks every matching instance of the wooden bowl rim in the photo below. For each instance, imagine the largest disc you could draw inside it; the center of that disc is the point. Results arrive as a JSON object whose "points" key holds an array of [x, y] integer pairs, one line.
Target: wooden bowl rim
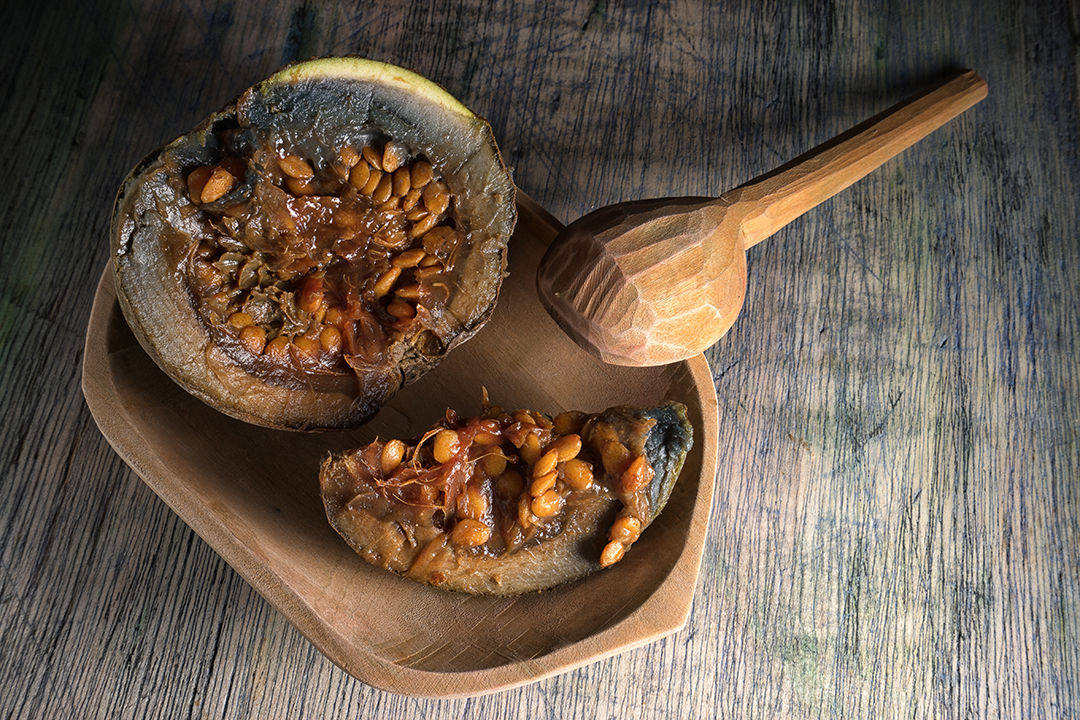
{"points": [[662, 613]]}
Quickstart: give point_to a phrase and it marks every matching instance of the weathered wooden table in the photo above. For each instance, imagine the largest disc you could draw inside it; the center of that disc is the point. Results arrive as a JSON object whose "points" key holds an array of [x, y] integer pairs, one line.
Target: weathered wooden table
{"points": [[895, 529]]}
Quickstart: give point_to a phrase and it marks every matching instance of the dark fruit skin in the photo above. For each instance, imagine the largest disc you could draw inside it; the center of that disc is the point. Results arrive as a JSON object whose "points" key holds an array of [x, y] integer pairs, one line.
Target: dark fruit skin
{"points": [[402, 539], [311, 108]]}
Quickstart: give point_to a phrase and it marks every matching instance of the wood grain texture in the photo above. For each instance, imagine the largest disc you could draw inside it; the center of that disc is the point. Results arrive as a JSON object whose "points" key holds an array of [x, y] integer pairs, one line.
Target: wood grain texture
{"points": [[897, 531]]}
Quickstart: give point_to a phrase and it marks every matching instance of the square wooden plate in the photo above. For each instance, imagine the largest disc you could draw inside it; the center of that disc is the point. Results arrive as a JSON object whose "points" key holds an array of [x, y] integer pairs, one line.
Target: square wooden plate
{"points": [[253, 495]]}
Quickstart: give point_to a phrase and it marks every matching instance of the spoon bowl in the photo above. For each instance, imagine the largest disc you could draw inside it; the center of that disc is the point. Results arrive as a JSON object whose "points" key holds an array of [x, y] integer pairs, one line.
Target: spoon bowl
{"points": [[650, 279]]}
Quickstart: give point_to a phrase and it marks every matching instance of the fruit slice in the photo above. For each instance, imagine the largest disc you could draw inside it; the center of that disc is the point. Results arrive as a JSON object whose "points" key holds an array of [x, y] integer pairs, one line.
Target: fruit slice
{"points": [[507, 503], [315, 245]]}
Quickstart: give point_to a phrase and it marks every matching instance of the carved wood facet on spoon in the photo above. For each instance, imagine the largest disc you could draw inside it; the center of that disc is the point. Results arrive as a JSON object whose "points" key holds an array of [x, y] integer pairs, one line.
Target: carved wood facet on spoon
{"points": [[651, 282]]}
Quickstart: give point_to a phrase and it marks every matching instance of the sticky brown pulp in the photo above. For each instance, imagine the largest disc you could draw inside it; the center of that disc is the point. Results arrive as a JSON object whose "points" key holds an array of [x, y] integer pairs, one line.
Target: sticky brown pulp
{"points": [[319, 273]]}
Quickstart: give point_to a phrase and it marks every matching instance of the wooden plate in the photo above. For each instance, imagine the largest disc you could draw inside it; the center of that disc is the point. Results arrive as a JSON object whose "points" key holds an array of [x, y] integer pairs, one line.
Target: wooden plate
{"points": [[253, 495]]}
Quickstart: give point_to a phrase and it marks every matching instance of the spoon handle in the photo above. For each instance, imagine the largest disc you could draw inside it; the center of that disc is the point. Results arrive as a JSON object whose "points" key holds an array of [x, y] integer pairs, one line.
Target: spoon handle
{"points": [[775, 199]]}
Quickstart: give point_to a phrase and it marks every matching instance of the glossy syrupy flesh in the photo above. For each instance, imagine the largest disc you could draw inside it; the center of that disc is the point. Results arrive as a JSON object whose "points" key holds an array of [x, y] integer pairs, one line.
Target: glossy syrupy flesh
{"points": [[316, 268]]}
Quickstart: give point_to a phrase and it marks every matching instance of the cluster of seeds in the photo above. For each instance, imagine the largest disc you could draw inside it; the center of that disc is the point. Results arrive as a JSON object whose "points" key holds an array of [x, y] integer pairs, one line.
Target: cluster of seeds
{"points": [[506, 478], [309, 263]]}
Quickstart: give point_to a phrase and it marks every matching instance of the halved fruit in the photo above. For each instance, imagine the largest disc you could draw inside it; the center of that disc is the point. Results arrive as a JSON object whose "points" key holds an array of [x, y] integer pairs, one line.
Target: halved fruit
{"points": [[315, 245], [508, 503]]}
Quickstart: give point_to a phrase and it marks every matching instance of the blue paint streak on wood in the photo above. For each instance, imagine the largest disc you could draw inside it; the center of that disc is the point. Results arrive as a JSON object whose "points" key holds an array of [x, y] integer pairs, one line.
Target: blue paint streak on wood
{"points": [[300, 37]]}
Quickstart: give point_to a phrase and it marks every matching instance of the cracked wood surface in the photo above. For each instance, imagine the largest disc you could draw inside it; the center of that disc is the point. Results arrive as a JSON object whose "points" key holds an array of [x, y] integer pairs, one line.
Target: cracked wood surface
{"points": [[895, 528]]}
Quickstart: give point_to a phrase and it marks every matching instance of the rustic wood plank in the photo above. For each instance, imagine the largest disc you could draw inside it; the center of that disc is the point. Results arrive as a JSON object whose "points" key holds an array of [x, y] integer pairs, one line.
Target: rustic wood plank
{"points": [[896, 532]]}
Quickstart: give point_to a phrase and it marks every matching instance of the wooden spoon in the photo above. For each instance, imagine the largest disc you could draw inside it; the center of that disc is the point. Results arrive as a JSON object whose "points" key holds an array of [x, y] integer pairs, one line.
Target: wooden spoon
{"points": [[651, 282]]}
